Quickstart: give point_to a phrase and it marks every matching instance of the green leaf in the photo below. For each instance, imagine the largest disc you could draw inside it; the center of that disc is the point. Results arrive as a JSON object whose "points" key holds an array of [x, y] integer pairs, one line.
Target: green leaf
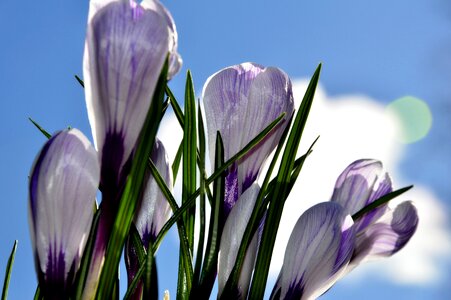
{"points": [[280, 193], [200, 245], [80, 81], [9, 268], [176, 107], [177, 160], [381, 201], [42, 130], [37, 294], [209, 267], [133, 186], [85, 263], [188, 178]]}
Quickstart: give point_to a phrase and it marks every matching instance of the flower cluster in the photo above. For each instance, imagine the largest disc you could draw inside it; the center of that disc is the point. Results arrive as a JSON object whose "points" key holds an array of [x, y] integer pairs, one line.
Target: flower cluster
{"points": [[130, 54]]}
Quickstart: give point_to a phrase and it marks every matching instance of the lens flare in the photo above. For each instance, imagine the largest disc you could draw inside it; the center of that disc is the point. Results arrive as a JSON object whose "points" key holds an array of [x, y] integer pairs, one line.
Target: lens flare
{"points": [[414, 116]]}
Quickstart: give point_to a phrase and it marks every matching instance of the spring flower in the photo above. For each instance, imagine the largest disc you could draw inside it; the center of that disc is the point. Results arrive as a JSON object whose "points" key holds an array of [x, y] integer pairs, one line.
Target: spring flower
{"points": [[231, 238], [382, 231], [318, 251], [63, 185], [239, 102], [152, 213], [154, 209], [126, 47]]}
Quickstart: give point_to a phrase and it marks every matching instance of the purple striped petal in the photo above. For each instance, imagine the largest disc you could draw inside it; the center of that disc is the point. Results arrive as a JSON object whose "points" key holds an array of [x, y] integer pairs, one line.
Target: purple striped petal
{"points": [[360, 184], [175, 60], [388, 235], [317, 253], [63, 185], [231, 240], [126, 46], [240, 101], [154, 210]]}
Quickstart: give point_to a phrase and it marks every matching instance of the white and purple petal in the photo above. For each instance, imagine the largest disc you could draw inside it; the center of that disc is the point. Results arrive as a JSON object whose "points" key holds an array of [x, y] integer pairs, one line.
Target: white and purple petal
{"points": [[387, 236], [63, 185], [360, 184], [154, 210], [318, 251], [126, 46], [175, 60], [231, 238], [239, 102]]}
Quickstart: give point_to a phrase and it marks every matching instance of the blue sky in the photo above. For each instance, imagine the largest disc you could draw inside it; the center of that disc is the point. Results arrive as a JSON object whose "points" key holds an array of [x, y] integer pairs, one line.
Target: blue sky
{"points": [[381, 50]]}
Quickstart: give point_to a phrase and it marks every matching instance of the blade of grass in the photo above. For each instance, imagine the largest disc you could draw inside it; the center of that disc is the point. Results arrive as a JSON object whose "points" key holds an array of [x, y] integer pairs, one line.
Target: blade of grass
{"points": [[381, 201], [9, 268], [80, 81], [200, 244], [209, 267], [42, 130], [86, 258], [280, 192]]}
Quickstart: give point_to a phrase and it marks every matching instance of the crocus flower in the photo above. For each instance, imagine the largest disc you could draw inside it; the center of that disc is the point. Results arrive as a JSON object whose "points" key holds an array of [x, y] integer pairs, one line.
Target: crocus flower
{"points": [[126, 47], [318, 251], [63, 185], [154, 209], [152, 213], [382, 231], [231, 238], [239, 102]]}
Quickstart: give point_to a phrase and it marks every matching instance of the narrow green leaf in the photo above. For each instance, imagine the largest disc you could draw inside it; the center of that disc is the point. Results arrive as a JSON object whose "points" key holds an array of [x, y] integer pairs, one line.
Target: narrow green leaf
{"points": [[200, 245], [209, 268], [188, 177], [177, 160], [82, 273], [80, 81], [176, 107], [134, 240], [37, 294], [280, 192], [9, 268], [128, 202], [184, 243], [381, 201], [42, 130]]}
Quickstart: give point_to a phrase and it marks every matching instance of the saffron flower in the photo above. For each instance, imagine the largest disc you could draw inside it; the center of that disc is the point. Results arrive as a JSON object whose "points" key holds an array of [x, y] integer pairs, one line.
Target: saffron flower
{"points": [[382, 231], [239, 102], [231, 239], [63, 185], [126, 46], [152, 213], [318, 251], [154, 210]]}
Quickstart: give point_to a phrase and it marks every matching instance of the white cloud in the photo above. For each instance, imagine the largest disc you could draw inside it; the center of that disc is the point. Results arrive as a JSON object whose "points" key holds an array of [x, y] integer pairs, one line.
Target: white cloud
{"points": [[353, 127]]}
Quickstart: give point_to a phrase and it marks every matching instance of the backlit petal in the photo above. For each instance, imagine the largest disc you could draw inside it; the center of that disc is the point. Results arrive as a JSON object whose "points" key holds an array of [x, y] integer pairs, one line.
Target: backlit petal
{"points": [[63, 186], [126, 47], [317, 253], [232, 236]]}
